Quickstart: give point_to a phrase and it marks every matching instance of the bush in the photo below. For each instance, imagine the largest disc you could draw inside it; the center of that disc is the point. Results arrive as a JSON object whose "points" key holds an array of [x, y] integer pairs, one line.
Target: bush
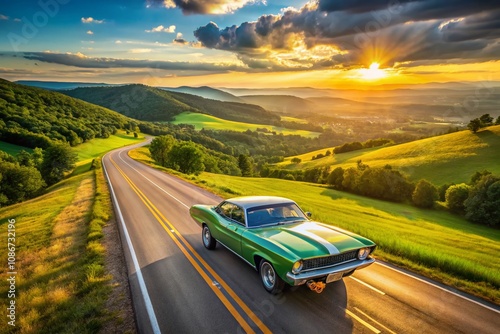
{"points": [[456, 196], [483, 204], [425, 194]]}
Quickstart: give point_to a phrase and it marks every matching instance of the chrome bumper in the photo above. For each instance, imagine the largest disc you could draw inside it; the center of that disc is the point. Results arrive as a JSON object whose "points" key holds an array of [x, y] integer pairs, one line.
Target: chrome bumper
{"points": [[302, 278]]}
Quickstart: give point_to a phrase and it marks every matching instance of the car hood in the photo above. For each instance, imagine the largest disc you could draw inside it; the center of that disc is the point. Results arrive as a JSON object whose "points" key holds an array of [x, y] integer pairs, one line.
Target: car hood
{"points": [[311, 239]]}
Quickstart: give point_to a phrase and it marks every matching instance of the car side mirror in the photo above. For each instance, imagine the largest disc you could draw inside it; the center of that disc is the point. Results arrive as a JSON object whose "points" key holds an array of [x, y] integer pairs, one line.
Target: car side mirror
{"points": [[308, 214]]}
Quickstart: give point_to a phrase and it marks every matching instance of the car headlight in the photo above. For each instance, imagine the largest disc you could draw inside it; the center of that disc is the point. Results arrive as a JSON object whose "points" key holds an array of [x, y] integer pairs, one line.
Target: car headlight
{"points": [[363, 253], [297, 267]]}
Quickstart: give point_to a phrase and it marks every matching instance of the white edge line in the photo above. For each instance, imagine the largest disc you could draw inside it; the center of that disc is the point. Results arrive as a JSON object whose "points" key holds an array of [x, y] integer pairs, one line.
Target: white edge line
{"points": [[439, 287], [138, 172], [367, 325], [140, 278], [367, 285]]}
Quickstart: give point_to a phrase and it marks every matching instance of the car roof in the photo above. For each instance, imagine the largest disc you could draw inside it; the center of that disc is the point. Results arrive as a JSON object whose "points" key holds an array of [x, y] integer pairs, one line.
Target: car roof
{"points": [[247, 202]]}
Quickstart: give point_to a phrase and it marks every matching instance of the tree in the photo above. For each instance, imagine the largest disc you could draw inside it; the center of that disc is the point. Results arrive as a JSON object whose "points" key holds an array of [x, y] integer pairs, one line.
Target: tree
{"points": [[186, 157], [57, 160], [336, 177], [483, 204], [160, 147], [486, 120], [18, 182], [455, 197], [245, 164], [474, 125], [497, 122], [296, 160], [425, 194]]}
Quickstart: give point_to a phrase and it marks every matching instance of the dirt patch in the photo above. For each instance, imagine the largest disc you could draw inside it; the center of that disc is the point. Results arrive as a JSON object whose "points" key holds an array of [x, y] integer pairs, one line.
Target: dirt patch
{"points": [[119, 304]]}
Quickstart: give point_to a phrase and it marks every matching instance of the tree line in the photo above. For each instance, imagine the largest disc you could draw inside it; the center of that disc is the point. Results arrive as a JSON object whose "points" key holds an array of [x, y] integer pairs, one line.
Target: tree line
{"points": [[478, 201], [28, 174]]}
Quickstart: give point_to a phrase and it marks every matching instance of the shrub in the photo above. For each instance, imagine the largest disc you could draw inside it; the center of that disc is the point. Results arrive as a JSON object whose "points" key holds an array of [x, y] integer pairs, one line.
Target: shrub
{"points": [[425, 194], [456, 196]]}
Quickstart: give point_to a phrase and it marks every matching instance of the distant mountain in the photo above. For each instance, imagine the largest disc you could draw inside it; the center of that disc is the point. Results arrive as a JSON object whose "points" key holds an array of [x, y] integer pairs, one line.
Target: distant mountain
{"points": [[35, 117], [153, 104], [55, 85], [206, 92], [285, 104]]}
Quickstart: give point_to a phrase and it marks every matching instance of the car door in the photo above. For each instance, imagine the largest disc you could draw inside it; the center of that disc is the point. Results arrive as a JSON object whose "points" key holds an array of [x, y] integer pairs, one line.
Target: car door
{"points": [[232, 226]]}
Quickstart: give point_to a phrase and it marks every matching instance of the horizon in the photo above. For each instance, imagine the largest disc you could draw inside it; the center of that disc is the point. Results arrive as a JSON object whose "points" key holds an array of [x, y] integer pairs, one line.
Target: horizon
{"points": [[321, 44]]}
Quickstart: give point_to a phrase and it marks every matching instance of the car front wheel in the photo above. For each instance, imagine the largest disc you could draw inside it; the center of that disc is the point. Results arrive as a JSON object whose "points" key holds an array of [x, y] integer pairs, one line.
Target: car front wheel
{"points": [[208, 241], [270, 279]]}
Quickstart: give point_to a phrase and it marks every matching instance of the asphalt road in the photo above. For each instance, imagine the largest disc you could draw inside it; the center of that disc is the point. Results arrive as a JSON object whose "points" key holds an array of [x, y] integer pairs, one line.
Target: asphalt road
{"points": [[180, 287]]}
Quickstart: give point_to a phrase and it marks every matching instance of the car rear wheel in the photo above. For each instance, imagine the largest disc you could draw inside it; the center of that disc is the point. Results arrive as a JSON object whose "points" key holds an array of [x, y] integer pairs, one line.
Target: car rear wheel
{"points": [[270, 279], [208, 241]]}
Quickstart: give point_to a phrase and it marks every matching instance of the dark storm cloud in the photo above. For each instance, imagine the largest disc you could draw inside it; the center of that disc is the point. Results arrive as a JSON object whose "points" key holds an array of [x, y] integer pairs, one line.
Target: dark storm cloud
{"points": [[82, 61], [405, 30]]}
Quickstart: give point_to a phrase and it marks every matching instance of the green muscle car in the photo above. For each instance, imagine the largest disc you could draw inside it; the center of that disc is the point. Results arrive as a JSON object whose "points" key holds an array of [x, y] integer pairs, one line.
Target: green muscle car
{"points": [[278, 239]]}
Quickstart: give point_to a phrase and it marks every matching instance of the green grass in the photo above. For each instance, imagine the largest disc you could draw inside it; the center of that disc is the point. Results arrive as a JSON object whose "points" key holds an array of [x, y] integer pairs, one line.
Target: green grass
{"points": [[13, 149], [443, 159], [435, 243], [200, 121], [96, 147], [62, 283]]}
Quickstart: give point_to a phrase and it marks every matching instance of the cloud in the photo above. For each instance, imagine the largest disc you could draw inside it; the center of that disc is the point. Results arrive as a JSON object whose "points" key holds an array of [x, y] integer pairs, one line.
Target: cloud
{"points": [[3, 17], [161, 28], [90, 32], [140, 50], [204, 6], [91, 20], [357, 32], [82, 61], [179, 39]]}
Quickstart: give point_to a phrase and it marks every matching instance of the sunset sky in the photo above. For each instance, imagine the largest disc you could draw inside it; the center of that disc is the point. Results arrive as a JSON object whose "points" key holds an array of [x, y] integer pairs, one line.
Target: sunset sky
{"points": [[251, 43]]}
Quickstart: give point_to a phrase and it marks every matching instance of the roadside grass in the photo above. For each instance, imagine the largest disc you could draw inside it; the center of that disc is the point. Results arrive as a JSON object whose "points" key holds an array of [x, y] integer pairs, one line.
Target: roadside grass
{"points": [[450, 158], [98, 146], [62, 285], [13, 149], [200, 121], [435, 243]]}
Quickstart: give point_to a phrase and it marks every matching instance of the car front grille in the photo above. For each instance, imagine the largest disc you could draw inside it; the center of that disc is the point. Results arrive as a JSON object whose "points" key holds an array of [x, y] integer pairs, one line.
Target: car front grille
{"points": [[328, 261]]}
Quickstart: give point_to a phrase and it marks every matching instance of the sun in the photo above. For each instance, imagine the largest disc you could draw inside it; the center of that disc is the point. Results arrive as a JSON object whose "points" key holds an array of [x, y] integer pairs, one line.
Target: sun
{"points": [[373, 72]]}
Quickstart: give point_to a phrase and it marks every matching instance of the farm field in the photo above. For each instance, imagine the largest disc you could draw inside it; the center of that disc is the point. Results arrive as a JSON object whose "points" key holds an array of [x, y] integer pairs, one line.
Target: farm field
{"points": [[450, 158], [200, 121]]}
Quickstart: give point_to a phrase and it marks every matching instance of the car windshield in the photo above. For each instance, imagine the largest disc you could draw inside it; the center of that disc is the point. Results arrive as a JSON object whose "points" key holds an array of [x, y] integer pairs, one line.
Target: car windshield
{"points": [[274, 214]]}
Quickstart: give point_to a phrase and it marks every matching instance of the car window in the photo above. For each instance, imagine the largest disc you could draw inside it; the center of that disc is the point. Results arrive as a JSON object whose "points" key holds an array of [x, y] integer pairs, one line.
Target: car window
{"points": [[276, 213], [233, 212]]}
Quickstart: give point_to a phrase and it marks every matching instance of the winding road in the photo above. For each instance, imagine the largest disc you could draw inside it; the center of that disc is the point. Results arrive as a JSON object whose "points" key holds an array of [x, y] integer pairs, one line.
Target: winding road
{"points": [[180, 287]]}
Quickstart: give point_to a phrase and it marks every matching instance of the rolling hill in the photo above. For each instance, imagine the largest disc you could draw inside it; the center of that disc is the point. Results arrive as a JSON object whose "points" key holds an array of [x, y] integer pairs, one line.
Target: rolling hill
{"points": [[450, 158], [153, 104], [34, 117], [206, 92]]}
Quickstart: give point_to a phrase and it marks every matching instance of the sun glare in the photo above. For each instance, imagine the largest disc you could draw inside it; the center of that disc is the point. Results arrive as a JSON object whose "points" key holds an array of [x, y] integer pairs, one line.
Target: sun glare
{"points": [[373, 72]]}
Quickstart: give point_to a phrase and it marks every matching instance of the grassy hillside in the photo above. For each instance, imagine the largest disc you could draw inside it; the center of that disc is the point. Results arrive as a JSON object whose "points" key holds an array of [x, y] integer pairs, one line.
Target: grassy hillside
{"points": [[154, 104], [427, 241], [35, 117], [200, 121], [12, 149], [443, 159]]}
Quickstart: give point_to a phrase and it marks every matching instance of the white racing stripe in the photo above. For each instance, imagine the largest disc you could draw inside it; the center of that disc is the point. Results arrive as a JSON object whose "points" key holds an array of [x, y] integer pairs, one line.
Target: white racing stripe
{"points": [[301, 229]]}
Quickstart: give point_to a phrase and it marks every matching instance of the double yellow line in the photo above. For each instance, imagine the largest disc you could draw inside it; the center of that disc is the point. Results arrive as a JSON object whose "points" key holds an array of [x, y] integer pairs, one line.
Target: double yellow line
{"points": [[201, 266]]}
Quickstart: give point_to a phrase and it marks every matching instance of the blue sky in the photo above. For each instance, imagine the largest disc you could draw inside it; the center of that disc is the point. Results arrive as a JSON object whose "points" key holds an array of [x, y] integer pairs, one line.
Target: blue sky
{"points": [[243, 43]]}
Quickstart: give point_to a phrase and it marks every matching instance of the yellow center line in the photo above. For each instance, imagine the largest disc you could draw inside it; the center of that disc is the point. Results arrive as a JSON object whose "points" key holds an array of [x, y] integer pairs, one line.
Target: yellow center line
{"points": [[171, 230]]}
